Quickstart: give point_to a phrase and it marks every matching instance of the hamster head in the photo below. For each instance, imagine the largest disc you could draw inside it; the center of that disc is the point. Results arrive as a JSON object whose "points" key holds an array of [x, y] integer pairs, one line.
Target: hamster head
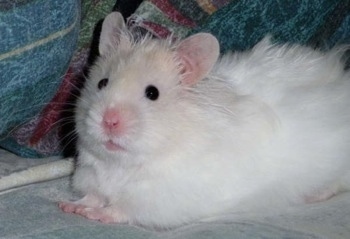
{"points": [[135, 88]]}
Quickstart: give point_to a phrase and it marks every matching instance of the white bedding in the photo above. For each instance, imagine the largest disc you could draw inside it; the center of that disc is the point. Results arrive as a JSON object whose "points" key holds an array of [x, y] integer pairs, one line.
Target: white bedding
{"points": [[31, 212]]}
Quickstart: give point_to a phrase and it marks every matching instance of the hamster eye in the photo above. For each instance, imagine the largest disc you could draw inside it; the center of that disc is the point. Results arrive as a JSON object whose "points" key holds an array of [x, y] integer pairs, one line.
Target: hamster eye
{"points": [[102, 83], [152, 92]]}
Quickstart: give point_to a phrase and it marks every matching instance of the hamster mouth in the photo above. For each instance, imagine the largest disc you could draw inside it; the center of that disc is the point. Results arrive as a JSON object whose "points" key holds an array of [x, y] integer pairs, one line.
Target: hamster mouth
{"points": [[112, 146]]}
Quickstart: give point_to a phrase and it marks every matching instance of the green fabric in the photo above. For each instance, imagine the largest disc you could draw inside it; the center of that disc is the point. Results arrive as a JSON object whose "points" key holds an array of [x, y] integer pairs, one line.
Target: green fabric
{"points": [[92, 12]]}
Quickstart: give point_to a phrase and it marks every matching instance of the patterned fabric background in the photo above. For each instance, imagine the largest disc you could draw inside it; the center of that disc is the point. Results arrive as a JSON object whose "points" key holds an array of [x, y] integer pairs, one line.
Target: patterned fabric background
{"points": [[39, 137], [37, 41], [238, 24]]}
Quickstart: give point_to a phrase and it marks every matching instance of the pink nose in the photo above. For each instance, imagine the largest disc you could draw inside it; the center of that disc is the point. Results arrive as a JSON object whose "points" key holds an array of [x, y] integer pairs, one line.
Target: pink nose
{"points": [[111, 120]]}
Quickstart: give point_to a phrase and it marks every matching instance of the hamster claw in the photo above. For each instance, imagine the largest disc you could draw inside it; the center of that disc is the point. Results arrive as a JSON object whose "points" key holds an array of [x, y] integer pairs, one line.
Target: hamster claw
{"points": [[70, 207], [98, 214]]}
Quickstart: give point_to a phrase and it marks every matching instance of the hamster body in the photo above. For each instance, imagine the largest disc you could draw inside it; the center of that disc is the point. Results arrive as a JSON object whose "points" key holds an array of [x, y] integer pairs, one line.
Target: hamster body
{"points": [[168, 133]]}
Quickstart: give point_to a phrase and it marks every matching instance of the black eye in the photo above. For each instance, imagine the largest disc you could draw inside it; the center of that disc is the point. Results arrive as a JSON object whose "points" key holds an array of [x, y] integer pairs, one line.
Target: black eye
{"points": [[102, 83], [151, 92]]}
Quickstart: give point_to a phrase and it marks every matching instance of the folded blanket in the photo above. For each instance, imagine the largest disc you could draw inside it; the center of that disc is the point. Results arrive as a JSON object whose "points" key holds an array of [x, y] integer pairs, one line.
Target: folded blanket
{"points": [[40, 173], [16, 171]]}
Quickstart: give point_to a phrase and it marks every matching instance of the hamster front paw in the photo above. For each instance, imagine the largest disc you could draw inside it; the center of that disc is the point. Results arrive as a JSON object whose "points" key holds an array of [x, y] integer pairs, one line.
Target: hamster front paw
{"points": [[70, 207], [93, 207], [105, 214], [76, 206]]}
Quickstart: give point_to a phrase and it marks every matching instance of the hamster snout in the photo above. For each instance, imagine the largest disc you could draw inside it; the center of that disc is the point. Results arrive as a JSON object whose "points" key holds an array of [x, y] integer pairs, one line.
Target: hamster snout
{"points": [[117, 124], [113, 126], [112, 122]]}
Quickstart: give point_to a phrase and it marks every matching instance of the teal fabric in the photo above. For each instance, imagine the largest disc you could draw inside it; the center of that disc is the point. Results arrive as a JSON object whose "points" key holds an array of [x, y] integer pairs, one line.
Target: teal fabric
{"points": [[37, 41], [241, 24]]}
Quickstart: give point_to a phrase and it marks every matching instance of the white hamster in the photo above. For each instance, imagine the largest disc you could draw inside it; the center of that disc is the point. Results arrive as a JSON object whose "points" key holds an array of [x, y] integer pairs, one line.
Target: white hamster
{"points": [[168, 133]]}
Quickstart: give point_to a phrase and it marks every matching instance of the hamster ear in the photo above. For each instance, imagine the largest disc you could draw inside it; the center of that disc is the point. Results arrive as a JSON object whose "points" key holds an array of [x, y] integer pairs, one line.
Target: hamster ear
{"points": [[198, 54], [112, 29]]}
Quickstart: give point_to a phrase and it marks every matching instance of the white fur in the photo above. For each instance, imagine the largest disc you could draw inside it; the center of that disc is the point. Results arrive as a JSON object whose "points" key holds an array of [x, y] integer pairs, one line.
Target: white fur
{"points": [[265, 129]]}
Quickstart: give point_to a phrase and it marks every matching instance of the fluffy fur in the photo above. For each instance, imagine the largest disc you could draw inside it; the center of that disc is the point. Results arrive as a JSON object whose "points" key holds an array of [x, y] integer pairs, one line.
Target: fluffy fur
{"points": [[266, 128]]}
